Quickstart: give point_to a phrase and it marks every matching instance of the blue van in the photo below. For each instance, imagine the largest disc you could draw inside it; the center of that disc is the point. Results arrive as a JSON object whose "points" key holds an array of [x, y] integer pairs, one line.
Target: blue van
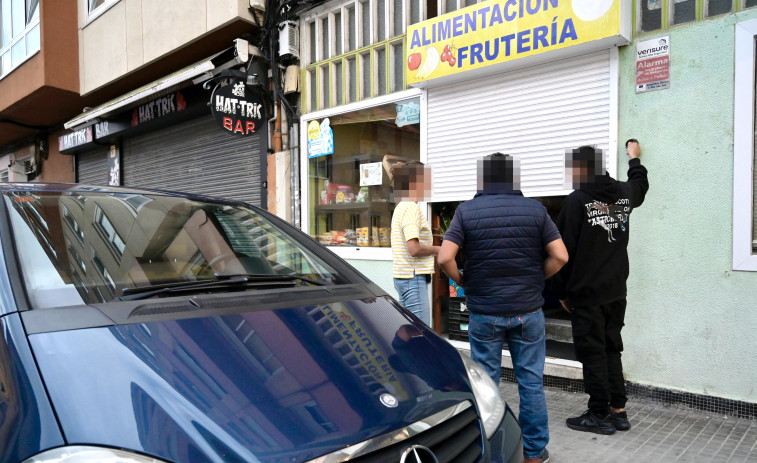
{"points": [[148, 326]]}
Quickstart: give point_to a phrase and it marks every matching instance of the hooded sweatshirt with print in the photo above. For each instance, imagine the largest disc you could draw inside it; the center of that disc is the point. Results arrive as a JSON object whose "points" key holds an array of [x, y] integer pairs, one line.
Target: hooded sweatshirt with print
{"points": [[594, 224]]}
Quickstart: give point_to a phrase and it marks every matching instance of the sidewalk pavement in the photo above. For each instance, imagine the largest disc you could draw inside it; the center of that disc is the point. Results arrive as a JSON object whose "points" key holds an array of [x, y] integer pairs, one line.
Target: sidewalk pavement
{"points": [[659, 433]]}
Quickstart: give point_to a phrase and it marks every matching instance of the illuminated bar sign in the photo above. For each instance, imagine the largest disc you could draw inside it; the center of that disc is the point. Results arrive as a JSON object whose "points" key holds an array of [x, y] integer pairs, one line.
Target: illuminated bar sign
{"points": [[498, 31]]}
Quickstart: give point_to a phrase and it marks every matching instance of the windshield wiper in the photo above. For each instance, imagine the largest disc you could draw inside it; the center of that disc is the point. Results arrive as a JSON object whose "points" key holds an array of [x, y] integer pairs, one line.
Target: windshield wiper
{"points": [[257, 277], [219, 282]]}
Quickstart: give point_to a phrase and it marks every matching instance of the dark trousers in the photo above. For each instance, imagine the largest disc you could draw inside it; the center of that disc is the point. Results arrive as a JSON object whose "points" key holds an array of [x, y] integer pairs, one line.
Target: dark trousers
{"points": [[598, 344]]}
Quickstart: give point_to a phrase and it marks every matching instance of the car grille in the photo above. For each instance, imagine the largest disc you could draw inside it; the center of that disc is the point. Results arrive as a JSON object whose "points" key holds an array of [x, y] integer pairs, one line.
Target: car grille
{"points": [[454, 437]]}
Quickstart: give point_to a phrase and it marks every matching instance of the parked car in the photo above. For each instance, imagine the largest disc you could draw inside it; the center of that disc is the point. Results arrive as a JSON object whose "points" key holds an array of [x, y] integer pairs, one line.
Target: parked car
{"points": [[147, 326]]}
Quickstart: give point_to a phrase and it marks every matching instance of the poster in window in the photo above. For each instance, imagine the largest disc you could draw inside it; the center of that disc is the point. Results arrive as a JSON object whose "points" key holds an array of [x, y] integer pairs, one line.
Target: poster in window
{"points": [[371, 174], [320, 138]]}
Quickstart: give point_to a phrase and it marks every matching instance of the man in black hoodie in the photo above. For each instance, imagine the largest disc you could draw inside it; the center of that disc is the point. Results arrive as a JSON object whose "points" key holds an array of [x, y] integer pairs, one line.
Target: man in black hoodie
{"points": [[592, 286]]}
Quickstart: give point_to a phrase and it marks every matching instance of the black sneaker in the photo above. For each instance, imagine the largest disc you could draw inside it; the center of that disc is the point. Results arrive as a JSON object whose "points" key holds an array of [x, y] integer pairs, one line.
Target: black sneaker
{"points": [[620, 421], [590, 422]]}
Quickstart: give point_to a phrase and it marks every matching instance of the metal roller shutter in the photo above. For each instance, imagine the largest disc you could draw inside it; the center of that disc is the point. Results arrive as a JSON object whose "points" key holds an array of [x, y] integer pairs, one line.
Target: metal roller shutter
{"points": [[196, 157], [92, 167], [534, 113]]}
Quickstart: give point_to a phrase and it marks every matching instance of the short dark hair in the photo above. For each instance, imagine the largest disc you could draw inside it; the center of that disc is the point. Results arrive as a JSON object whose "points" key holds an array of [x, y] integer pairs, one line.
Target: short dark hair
{"points": [[497, 169], [405, 173], [585, 156]]}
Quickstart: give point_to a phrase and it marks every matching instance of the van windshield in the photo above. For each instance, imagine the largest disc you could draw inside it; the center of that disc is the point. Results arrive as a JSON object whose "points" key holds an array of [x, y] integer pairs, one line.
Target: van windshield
{"points": [[79, 246]]}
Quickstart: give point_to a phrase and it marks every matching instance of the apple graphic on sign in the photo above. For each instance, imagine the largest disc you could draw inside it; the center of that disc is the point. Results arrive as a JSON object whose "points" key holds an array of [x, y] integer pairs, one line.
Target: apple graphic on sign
{"points": [[589, 10]]}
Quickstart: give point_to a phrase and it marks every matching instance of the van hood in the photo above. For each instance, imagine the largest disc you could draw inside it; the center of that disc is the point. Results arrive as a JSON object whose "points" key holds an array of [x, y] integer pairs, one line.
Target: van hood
{"points": [[266, 386]]}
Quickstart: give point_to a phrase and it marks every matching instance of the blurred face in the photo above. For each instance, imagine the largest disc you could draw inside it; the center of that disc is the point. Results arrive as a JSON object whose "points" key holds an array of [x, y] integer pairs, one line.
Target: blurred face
{"points": [[499, 174], [582, 171], [420, 186]]}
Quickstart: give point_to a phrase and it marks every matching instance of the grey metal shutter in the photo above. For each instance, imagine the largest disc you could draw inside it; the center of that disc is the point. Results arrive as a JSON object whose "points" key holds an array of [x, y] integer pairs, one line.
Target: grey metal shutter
{"points": [[534, 113], [198, 157], [92, 167]]}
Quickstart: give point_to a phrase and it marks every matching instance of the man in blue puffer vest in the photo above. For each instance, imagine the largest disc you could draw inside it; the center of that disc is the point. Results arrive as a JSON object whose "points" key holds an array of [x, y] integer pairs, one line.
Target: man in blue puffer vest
{"points": [[503, 237]]}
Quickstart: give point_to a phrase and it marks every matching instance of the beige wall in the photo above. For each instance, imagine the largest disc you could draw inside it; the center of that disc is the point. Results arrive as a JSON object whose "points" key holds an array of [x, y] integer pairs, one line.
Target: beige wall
{"points": [[134, 33]]}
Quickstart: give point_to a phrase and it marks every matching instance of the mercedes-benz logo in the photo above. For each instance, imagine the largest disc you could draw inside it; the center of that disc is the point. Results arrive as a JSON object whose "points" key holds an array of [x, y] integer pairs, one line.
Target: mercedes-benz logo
{"points": [[389, 400], [418, 454]]}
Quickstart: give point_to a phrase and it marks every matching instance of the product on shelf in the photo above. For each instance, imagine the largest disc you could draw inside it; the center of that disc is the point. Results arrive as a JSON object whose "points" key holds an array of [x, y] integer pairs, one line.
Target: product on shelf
{"points": [[362, 196], [362, 236], [329, 192], [346, 194], [384, 234], [351, 237]]}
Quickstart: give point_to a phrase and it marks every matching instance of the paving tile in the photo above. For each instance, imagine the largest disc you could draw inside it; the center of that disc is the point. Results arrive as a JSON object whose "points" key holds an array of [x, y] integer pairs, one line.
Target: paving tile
{"points": [[659, 433]]}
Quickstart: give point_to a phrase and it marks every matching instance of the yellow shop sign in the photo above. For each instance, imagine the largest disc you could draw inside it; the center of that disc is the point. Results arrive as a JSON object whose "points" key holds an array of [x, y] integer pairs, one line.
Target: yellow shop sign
{"points": [[497, 31]]}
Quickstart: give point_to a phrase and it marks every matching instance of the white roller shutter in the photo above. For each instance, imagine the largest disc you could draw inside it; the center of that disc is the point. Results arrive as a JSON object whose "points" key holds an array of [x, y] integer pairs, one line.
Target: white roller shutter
{"points": [[533, 113], [198, 157]]}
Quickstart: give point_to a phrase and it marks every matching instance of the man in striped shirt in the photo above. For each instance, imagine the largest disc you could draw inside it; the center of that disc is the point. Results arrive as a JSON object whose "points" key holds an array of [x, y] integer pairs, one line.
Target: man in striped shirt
{"points": [[412, 249]]}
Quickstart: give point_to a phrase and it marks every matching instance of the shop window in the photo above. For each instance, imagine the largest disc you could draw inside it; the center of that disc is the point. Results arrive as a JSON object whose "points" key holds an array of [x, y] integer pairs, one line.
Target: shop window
{"points": [[350, 198], [744, 157], [716, 7], [684, 11], [650, 18], [19, 33]]}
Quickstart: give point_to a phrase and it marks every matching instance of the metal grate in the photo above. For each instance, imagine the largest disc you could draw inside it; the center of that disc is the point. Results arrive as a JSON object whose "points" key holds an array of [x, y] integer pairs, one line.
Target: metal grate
{"points": [[456, 440]]}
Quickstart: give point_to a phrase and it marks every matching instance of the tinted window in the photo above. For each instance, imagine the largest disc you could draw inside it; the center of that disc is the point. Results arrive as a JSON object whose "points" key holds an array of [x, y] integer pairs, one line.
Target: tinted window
{"points": [[85, 247]]}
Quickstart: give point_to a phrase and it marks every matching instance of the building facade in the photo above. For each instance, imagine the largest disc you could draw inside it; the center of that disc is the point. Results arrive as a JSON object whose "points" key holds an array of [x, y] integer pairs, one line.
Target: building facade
{"points": [[691, 314], [535, 90], [39, 88], [158, 70]]}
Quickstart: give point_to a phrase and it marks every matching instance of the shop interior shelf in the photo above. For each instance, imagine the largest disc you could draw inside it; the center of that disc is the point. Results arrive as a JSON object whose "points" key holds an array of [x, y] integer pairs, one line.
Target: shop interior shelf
{"points": [[347, 206]]}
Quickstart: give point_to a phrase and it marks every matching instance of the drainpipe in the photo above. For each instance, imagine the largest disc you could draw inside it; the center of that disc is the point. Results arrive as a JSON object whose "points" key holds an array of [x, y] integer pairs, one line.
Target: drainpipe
{"points": [[294, 159]]}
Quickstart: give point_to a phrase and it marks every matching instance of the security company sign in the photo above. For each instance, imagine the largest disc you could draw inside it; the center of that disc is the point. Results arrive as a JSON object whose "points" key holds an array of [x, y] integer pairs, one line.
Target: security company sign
{"points": [[496, 31], [237, 110], [653, 64]]}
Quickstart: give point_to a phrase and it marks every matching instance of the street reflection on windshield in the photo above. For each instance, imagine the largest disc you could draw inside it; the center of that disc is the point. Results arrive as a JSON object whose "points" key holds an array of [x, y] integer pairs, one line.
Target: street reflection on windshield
{"points": [[99, 243]]}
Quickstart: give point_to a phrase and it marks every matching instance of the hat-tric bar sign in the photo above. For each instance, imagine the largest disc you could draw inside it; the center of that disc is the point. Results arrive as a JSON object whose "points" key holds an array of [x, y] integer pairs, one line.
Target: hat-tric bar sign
{"points": [[236, 110], [496, 31]]}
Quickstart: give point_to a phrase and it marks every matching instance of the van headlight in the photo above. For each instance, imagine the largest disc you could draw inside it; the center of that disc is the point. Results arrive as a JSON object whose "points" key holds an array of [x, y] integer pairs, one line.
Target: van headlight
{"points": [[85, 454], [491, 407]]}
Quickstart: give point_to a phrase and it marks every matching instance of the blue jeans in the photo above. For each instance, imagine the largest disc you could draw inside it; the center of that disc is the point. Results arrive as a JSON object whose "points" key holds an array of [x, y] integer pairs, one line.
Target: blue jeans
{"points": [[525, 339], [414, 296]]}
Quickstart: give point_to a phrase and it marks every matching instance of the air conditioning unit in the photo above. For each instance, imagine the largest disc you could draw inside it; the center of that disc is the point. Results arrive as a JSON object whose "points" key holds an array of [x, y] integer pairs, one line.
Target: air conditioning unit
{"points": [[289, 40]]}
